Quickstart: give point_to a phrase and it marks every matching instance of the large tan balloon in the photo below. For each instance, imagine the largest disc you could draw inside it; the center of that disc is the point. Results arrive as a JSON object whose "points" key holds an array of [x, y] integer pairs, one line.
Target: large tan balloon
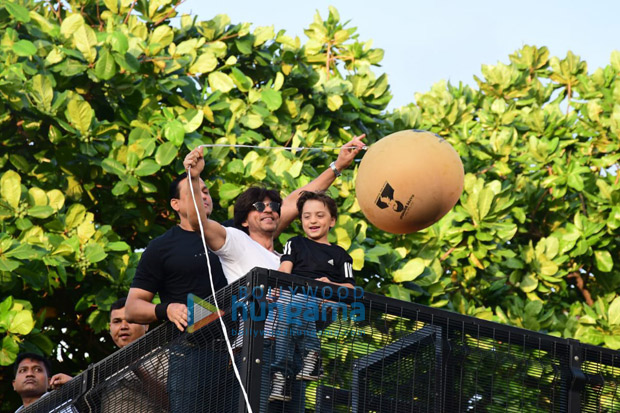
{"points": [[408, 180]]}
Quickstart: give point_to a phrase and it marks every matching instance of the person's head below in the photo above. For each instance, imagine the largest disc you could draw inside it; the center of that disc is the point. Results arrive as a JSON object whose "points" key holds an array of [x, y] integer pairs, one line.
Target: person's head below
{"points": [[257, 211], [31, 377], [122, 331], [318, 213], [181, 199]]}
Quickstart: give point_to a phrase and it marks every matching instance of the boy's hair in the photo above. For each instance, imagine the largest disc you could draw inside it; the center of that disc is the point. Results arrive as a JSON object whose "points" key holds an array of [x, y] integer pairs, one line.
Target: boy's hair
{"points": [[320, 196], [118, 304], [244, 204], [32, 356]]}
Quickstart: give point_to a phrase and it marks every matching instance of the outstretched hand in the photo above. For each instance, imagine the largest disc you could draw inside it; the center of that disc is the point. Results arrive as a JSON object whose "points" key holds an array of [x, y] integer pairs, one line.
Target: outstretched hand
{"points": [[348, 152], [196, 161]]}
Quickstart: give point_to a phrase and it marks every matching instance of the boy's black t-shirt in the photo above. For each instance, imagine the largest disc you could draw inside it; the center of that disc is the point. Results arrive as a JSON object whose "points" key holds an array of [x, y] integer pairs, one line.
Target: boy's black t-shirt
{"points": [[174, 265], [315, 260]]}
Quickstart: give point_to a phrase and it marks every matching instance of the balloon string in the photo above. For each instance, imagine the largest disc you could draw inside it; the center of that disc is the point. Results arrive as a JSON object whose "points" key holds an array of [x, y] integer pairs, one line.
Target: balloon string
{"points": [[287, 148], [224, 330]]}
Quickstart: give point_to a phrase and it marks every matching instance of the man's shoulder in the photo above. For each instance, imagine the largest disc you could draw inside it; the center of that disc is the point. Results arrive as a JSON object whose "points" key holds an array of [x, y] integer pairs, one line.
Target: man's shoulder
{"points": [[172, 234]]}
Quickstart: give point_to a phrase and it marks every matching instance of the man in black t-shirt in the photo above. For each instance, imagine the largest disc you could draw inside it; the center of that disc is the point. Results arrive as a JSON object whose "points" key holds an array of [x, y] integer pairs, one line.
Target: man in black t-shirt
{"points": [[174, 265]]}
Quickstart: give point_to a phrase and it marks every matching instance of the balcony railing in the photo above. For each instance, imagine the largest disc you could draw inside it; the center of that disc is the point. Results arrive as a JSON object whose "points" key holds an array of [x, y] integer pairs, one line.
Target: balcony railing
{"points": [[378, 355]]}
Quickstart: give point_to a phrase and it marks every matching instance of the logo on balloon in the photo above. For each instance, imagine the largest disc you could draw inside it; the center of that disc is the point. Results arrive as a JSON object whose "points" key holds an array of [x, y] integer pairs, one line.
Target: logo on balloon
{"points": [[386, 199]]}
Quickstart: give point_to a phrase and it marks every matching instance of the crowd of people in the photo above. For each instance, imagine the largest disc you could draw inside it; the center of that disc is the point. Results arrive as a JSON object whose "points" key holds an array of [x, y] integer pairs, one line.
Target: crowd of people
{"points": [[174, 265]]}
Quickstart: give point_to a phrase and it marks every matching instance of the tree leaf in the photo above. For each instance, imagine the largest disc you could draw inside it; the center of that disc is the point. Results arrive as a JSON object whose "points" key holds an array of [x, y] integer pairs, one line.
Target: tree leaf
{"points": [[94, 253], [10, 348], [229, 191], [166, 153], [603, 260], [243, 82], [410, 271], [192, 119], [85, 41], [113, 166], [272, 98], [41, 92], [80, 115], [22, 323], [75, 216], [613, 314], [147, 167], [174, 132], [205, 63], [219, 81], [24, 48], [10, 188], [56, 199], [71, 24], [41, 211], [105, 68], [529, 283], [118, 42], [17, 11], [334, 102]]}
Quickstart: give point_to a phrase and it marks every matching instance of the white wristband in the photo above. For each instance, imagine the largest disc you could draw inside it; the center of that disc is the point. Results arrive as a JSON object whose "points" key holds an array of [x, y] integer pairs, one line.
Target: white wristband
{"points": [[336, 171]]}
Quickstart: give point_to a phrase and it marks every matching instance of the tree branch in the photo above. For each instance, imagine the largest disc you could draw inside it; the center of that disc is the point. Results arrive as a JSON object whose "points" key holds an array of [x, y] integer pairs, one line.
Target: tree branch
{"points": [[129, 12], [174, 8], [581, 285]]}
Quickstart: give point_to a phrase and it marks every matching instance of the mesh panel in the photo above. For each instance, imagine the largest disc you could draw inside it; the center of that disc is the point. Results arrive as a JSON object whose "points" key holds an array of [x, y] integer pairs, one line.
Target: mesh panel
{"points": [[369, 354]]}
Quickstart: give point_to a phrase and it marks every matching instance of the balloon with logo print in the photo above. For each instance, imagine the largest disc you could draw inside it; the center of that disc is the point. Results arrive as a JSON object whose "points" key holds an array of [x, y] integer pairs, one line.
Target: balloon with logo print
{"points": [[409, 180]]}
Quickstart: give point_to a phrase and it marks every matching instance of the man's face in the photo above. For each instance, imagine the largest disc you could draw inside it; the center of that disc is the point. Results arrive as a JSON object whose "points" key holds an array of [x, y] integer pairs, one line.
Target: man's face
{"points": [[262, 222], [185, 200], [31, 379], [122, 332]]}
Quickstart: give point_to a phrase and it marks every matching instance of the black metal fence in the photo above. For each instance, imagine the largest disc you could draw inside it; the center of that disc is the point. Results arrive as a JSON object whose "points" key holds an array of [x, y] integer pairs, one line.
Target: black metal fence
{"points": [[377, 354]]}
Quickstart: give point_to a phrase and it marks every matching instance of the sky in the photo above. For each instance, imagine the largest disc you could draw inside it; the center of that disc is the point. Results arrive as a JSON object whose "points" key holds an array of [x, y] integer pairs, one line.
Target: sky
{"points": [[425, 42]]}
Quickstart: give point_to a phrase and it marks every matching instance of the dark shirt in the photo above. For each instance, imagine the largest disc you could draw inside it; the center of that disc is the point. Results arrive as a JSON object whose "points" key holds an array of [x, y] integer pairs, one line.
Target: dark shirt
{"points": [[174, 265], [315, 260]]}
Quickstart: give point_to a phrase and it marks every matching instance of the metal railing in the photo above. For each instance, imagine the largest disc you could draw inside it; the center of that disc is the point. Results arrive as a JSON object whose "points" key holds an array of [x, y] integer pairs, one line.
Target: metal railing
{"points": [[378, 355]]}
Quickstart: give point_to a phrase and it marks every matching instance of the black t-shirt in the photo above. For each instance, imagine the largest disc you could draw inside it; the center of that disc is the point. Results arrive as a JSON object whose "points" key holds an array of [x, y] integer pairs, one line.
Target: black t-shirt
{"points": [[174, 265], [315, 260]]}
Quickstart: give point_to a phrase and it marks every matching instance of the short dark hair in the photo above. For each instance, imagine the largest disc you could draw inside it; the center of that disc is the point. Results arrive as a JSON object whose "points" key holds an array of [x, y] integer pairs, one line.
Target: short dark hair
{"points": [[118, 304], [175, 192], [32, 356], [245, 201], [320, 196]]}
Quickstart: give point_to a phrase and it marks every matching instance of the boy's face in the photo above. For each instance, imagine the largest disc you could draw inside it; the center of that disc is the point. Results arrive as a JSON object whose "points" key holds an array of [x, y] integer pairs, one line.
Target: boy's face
{"points": [[316, 220]]}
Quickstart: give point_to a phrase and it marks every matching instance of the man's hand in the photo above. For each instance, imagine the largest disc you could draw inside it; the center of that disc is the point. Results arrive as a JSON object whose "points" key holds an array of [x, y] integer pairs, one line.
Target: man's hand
{"points": [[177, 313], [195, 159], [348, 152], [58, 380]]}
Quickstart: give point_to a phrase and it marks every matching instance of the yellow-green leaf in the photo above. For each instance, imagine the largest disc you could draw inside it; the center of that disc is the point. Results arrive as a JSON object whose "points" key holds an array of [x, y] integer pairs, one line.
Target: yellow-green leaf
{"points": [[79, 114], [10, 188], [409, 271], [220, 81], [22, 323]]}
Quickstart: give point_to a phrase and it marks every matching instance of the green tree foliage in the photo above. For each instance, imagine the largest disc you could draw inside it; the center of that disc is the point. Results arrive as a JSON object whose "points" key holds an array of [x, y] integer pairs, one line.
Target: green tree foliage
{"points": [[534, 237], [101, 99]]}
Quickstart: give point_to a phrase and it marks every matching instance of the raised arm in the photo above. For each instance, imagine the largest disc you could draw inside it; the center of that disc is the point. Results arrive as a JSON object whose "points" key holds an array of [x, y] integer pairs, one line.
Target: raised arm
{"points": [[320, 183], [214, 232]]}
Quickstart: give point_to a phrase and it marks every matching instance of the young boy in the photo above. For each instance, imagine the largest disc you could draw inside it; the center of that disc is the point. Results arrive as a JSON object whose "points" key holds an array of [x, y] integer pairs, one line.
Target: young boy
{"points": [[313, 256]]}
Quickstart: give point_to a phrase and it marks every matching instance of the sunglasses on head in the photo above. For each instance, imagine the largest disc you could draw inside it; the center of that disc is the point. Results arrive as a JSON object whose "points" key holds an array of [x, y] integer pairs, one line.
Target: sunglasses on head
{"points": [[260, 206]]}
